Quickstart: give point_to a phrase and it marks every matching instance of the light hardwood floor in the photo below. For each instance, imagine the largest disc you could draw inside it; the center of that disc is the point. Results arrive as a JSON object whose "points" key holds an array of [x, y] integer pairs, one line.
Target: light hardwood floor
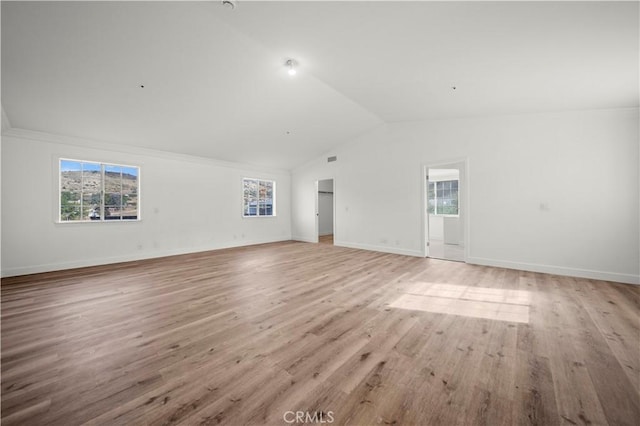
{"points": [[325, 239], [242, 336]]}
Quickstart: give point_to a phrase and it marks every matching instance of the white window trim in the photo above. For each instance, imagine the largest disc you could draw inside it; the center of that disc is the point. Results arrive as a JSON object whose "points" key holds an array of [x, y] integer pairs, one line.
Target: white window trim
{"points": [[102, 164], [274, 205]]}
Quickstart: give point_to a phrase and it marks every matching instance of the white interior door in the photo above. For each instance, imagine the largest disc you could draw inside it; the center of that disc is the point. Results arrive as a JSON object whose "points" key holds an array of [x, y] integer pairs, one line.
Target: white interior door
{"points": [[445, 211]]}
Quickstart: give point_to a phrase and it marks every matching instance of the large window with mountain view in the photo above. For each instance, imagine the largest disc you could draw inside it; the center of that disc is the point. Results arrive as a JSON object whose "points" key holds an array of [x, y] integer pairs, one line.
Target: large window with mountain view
{"points": [[443, 197], [259, 197], [91, 191]]}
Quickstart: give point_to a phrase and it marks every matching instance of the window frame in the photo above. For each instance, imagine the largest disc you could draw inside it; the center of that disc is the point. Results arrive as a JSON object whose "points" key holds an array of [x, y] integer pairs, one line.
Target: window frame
{"points": [[273, 198], [435, 207], [102, 165]]}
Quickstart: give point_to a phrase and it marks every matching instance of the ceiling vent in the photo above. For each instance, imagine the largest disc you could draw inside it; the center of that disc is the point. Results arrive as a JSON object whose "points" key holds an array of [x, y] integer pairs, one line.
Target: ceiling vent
{"points": [[332, 159]]}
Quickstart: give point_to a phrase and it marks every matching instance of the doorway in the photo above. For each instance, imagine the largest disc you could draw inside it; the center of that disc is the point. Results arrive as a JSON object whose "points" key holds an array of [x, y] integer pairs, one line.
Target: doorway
{"points": [[325, 223], [446, 211]]}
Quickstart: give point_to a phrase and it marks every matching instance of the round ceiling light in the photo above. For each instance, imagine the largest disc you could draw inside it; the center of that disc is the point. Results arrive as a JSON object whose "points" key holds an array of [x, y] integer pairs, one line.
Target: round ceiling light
{"points": [[290, 64], [229, 4]]}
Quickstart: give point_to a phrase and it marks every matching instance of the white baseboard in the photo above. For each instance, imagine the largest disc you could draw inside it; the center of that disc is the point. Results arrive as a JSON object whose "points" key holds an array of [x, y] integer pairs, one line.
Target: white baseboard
{"points": [[303, 239], [558, 270], [59, 266], [384, 249], [548, 269]]}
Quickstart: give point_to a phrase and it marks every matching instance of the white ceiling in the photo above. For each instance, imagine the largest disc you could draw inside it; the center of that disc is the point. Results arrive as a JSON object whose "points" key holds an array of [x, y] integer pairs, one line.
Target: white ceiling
{"points": [[215, 84]]}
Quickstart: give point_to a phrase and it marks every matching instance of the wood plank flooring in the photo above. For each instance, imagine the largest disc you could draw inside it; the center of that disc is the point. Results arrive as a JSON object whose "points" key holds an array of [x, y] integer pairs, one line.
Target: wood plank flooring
{"points": [[262, 334], [325, 239]]}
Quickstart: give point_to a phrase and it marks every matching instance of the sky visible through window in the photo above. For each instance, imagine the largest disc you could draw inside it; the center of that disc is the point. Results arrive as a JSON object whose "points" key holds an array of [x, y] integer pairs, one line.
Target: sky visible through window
{"points": [[76, 166]]}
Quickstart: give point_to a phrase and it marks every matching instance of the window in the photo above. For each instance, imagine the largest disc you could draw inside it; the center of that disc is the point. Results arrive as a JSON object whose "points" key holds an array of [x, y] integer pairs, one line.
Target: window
{"points": [[259, 197], [98, 192], [443, 197]]}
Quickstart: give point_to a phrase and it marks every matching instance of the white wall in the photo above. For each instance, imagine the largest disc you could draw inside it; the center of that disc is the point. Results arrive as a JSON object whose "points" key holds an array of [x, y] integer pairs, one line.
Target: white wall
{"points": [[581, 165], [188, 204], [325, 207]]}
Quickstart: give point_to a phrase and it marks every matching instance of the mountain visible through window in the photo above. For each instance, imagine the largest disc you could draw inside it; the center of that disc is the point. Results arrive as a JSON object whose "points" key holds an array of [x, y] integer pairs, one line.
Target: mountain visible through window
{"points": [[91, 191]]}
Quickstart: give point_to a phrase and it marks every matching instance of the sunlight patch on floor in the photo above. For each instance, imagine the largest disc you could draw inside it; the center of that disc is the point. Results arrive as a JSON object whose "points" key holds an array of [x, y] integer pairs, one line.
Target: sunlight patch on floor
{"points": [[477, 302]]}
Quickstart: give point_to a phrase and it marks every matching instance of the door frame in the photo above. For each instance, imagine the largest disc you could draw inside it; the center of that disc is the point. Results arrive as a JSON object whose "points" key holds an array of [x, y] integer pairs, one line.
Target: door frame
{"points": [[465, 204], [317, 209]]}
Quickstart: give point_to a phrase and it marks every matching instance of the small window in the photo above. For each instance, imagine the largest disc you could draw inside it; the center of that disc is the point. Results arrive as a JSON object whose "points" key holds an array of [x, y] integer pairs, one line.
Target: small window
{"points": [[259, 197], [443, 197], [98, 192]]}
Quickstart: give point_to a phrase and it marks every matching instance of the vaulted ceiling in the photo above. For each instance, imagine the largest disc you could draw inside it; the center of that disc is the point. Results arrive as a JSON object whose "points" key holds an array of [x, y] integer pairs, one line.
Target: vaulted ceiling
{"points": [[215, 84]]}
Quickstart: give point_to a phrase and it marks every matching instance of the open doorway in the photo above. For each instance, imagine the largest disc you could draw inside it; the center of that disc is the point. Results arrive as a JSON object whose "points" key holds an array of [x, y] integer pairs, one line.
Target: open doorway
{"points": [[446, 212], [325, 213]]}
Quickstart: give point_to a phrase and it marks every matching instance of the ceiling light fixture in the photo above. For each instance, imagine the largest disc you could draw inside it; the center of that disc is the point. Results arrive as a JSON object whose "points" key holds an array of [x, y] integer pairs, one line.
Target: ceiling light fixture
{"points": [[292, 67], [229, 4]]}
